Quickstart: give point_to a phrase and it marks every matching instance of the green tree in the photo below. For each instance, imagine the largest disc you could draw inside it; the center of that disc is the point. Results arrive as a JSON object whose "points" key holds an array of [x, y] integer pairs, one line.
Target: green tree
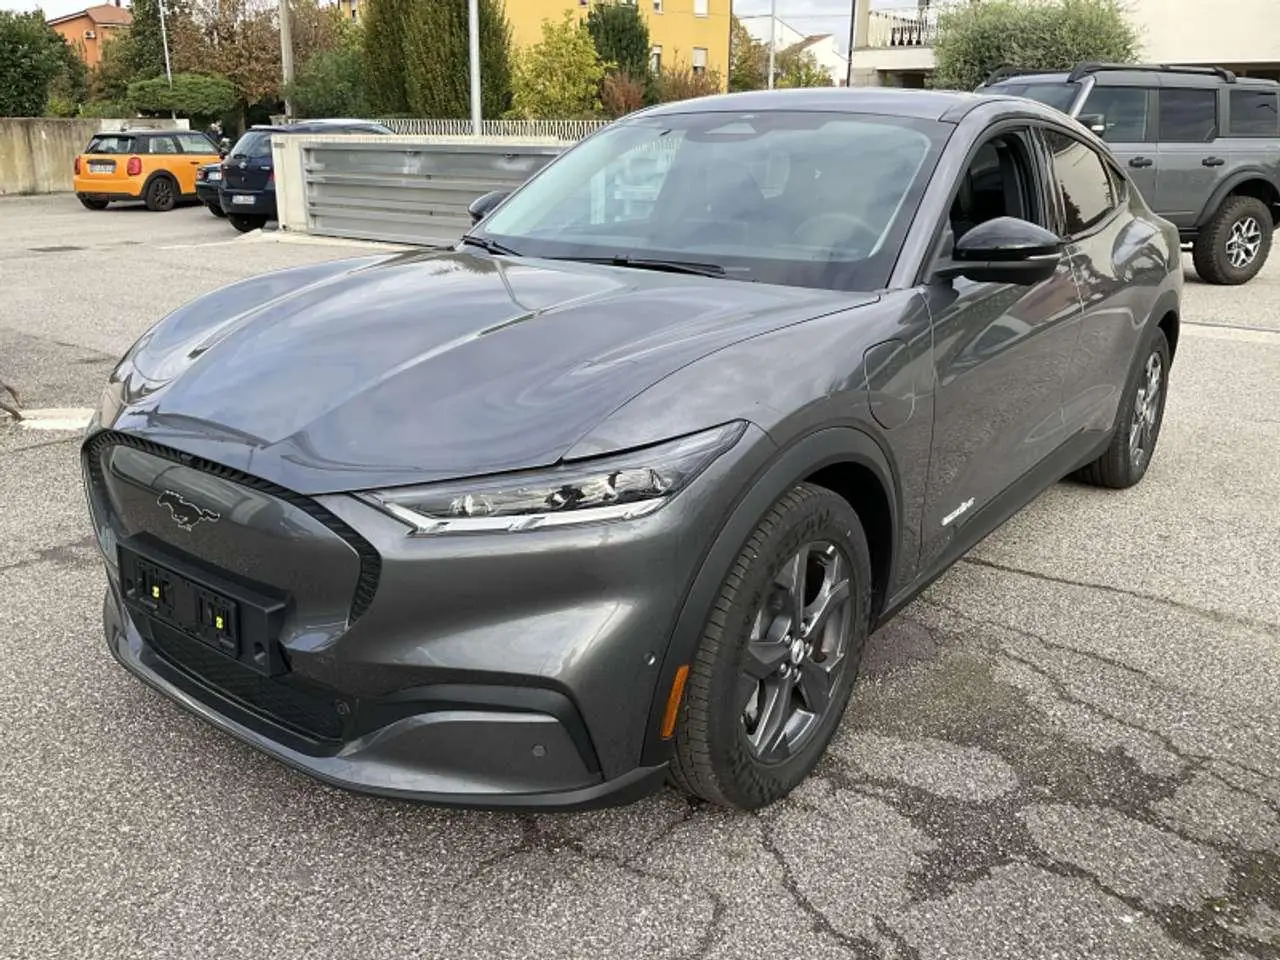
{"points": [[331, 84], [558, 78], [383, 44], [31, 56], [70, 87], [977, 38], [436, 56], [621, 37], [110, 79], [748, 59], [146, 40], [193, 95], [679, 81], [798, 68]]}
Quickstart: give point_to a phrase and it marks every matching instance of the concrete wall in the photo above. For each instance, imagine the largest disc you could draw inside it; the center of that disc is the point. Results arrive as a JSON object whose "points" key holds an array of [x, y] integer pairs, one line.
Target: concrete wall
{"points": [[37, 154]]}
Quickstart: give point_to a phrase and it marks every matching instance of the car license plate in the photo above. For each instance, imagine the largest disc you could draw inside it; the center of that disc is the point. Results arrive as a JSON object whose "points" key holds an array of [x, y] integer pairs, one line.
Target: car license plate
{"points": [[101, 167], [215, 175], [168, 596], [243, 198]]}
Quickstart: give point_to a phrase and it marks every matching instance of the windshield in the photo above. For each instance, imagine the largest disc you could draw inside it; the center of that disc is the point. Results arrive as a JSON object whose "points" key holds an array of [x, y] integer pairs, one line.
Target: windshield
{"points": [[808, 199], [1060, 96], [254, 144]]}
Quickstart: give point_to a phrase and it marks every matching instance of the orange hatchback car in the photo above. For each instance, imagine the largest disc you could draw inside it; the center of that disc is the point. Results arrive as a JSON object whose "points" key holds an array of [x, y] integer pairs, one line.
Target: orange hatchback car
{"points": [[157, 167]]}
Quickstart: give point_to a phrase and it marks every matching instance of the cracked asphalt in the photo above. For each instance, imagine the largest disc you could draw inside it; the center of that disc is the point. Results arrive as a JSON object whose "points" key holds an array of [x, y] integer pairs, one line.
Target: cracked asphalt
{"points": [[1069, 747]]}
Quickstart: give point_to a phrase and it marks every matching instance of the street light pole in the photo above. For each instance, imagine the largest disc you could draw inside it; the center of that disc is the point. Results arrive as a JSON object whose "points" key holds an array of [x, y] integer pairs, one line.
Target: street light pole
{"points": [[286, 54], [474, 16], [773, 24], [164, 42]]}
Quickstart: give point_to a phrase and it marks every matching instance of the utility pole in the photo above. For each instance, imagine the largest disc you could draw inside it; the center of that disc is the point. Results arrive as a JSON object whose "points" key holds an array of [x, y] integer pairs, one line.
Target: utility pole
{"points": [[853, 37], [474, 15], [286, 53], [164, 42], [773, 25]]}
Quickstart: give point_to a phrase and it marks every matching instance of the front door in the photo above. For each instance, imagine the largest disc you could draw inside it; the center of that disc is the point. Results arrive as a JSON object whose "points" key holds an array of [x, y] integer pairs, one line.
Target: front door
{"points": [[1125, 117], [1000, 351]]}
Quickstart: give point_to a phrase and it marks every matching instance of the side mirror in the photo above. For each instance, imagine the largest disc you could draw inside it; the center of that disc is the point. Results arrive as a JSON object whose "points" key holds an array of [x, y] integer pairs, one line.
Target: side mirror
{"points": [[1096, 122], [1004, 250], [481, 207]]}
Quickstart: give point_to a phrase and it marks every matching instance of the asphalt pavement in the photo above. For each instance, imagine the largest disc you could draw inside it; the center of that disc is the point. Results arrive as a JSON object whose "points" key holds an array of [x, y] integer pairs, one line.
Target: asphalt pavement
{"points": [[1068, 748]]}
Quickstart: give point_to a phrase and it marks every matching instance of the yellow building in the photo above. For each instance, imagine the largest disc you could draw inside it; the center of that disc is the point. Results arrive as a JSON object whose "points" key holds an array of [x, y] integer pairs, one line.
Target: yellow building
{"points": [[692, 32]]}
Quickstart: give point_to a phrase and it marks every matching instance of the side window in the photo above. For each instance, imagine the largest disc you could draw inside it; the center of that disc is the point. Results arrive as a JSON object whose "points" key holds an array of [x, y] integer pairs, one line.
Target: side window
{"points": [[1254, 113], [997, 183], [1087, 189], [1188, 116], [1121, 111], [163, 145], [195, 143]]}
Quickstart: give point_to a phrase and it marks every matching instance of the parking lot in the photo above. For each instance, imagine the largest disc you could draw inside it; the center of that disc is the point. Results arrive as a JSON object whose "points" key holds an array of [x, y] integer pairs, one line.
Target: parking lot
{"points": [[1068, 748]]}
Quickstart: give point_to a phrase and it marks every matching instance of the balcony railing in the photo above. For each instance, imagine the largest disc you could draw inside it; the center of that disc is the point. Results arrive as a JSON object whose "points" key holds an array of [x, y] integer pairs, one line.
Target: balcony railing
{"points": [[903, 27]]}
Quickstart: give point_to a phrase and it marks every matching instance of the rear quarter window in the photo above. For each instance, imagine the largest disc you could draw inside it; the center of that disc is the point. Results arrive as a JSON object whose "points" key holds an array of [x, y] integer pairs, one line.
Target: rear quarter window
{"points": [[1254, 113]]}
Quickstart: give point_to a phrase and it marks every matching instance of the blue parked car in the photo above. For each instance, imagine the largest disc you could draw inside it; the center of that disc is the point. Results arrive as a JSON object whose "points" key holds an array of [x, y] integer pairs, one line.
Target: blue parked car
{"points": [[247, 192]]}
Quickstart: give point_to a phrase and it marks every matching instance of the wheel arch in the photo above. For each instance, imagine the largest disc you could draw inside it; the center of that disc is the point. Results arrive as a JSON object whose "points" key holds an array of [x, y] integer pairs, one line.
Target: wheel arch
{"points": [[1250, 182], [157, 175], [845, 460]]}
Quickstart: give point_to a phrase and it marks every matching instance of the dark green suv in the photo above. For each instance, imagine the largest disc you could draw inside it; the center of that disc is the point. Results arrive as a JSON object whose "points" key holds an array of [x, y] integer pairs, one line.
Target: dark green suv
{"points": [[1202, 145]]}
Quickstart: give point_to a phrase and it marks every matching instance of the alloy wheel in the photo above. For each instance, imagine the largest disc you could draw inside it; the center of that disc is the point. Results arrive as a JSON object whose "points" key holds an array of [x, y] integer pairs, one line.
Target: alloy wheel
{"points": [[1146, 410], [796, 653], [1244, 242]]}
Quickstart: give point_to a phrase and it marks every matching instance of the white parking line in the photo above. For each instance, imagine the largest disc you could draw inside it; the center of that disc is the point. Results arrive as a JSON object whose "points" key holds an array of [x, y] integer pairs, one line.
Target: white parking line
{"points": [[56, 418], [1215, 331]]}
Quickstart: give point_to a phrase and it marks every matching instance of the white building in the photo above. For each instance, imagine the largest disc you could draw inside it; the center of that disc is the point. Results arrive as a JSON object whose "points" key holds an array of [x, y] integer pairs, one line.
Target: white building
{"points": [[894, 46], [825, 47]]}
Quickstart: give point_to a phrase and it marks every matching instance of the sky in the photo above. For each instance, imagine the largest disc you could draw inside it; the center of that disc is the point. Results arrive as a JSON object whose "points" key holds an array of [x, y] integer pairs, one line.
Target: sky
{"points": [[807, 16]]}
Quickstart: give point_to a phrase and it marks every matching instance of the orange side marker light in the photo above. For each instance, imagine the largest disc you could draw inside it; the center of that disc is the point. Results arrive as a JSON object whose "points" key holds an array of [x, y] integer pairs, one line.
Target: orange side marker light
{"points": [[673, 702]]}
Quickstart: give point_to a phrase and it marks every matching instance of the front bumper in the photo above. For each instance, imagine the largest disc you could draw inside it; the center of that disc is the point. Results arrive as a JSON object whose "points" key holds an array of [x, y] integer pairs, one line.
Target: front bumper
{"points": [[208, 193], [503, 670]]}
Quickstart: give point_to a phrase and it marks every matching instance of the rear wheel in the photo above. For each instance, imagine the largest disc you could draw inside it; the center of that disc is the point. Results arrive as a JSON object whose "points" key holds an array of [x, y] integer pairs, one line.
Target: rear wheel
{"points": [[1141, 415], [94, 203], [216, 210], [246, 223], [772, 675], [1235, 244], [161, 195]]}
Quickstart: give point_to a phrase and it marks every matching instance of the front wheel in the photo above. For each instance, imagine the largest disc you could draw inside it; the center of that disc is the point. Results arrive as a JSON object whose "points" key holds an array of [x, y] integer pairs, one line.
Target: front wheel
{"points": [[1141, 416], [772, 675], [244, 223], [1234, 245]]}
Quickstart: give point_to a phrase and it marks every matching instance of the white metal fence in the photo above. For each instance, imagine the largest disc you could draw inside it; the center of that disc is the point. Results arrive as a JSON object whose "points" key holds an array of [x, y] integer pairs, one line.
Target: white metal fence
{"points": [[527, 130]]}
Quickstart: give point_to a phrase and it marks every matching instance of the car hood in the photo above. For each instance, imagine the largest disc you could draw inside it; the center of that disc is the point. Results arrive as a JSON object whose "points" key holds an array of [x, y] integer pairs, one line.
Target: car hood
{"points": [[426, 366]]}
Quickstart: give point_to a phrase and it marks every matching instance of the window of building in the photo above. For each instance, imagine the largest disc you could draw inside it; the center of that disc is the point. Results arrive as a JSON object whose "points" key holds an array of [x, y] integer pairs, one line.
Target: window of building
{"points": [[1087, 191], [1122, 112], [655, 59], [1188, 116], [700, 8], [657, 6], [1254, 113], [699, 60]]}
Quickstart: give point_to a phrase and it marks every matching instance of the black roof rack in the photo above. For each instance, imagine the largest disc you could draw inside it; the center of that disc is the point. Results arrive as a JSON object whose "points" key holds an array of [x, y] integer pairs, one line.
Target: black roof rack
{"points": [[1084, 69]]}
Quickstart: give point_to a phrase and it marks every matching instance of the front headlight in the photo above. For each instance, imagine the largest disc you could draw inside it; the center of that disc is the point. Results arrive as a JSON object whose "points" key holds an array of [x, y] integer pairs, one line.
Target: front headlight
{"points": [[619, 487]]}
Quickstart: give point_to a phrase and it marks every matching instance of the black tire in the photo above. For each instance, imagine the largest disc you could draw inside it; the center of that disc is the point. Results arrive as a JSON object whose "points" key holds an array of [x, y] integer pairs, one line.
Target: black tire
{"points": [[246, 224], [1121, 466], [217, 211], [161, 194], [94, 203], [1221, 240], [714, 758]]}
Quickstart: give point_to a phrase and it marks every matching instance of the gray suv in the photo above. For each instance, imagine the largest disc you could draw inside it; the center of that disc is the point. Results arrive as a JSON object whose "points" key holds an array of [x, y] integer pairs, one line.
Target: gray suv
{"points": [[1201, 144]]}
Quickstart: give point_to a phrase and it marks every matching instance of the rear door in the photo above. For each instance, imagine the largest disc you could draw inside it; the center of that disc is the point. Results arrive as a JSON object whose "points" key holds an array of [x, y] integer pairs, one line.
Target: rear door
{"points": [[1253, 130], [1190, 160], [1123, 113], [196, 150], [248, 166]]}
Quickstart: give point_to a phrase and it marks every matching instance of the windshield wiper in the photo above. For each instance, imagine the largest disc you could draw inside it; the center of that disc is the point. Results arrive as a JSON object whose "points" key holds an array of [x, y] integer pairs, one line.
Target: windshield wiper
{"points": [[695, 267], [489, 246]]}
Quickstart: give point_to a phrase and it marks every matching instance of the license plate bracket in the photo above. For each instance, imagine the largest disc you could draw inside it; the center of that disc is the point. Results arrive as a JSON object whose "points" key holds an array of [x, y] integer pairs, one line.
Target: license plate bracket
{"points": [[239, 622]]}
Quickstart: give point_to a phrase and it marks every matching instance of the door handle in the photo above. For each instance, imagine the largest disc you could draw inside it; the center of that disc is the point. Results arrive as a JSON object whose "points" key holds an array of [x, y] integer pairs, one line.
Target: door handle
{"points": [[1141, 162], [1213, 161]]}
